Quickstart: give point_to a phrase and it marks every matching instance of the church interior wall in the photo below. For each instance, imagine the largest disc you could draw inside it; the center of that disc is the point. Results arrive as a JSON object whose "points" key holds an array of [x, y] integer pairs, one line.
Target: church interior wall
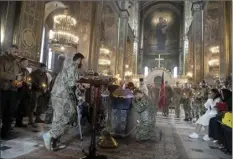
{"points": [[211, 37], [216, 49], [109, 33], [174, 38]]}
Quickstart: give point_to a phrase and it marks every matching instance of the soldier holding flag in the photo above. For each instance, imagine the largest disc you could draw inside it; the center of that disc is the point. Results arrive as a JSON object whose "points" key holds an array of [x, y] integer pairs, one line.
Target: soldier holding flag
{"points": [[162, 93]]}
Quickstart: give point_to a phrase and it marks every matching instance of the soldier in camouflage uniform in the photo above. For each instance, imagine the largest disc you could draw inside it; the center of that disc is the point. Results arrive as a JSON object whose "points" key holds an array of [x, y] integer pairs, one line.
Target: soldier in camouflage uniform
{"points": [[63, 101], [187, 96], [176, 99], [204, 96], [168, 98], [197, 103]]}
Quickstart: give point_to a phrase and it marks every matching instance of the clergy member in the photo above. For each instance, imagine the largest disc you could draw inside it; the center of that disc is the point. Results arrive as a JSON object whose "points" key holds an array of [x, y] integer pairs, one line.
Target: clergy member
{"points": [[63, 101], [143, 87], [146, 123]]}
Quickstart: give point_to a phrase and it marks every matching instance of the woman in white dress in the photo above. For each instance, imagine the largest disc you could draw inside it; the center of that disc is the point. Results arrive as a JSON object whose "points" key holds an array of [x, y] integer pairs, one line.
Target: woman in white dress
{"points": [[203, 121]]}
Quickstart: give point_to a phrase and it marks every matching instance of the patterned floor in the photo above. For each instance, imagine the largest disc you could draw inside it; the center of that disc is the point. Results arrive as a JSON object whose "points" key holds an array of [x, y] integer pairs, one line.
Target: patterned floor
{"points": [[174, 144]]}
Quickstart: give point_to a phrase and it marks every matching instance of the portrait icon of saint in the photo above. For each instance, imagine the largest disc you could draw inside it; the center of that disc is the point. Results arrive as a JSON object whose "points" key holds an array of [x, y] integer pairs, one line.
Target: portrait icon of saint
{"points": [[160, 33]]}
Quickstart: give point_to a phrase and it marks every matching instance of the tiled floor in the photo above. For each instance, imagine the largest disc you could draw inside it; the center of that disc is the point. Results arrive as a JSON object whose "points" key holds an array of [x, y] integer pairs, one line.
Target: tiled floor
{"points": [[30, 141], [195, 148]]}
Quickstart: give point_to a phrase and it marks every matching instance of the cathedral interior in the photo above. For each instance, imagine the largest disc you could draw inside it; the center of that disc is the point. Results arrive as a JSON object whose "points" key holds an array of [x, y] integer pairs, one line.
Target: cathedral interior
{"points": [[174, 41]]}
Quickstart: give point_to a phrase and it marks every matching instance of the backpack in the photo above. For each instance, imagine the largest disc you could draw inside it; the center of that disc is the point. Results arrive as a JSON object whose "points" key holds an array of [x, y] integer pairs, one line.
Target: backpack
{"points": [[226, 120]]}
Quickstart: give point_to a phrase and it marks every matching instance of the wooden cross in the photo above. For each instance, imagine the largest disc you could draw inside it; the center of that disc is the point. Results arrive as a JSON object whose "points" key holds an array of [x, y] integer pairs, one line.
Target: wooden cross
{"points": [[159, 59]]}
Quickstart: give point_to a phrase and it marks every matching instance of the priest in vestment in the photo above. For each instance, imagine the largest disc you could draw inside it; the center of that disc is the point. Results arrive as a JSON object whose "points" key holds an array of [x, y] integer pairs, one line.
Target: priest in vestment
{"points": [[63, 102], [145, 129]]}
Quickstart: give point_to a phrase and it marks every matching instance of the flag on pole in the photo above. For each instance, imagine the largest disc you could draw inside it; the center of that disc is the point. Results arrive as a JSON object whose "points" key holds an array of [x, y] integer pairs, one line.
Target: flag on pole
{"points": [[162, 93]]}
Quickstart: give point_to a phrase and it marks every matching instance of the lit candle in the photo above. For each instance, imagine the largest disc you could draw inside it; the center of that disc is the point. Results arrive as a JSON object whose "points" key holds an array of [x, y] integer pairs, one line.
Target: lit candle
{"points": [[43, 85]]}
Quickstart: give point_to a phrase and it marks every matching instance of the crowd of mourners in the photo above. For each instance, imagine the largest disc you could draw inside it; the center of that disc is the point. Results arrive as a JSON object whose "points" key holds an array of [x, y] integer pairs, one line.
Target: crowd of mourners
{"points": [[217, 117], [28, 94], [22, 93], [208, 106]]}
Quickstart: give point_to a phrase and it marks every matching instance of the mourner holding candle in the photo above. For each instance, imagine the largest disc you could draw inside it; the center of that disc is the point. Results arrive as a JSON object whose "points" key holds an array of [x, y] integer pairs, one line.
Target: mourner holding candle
{"points": [[23, 93], [63, 102], [39, 88], [9, 73]]}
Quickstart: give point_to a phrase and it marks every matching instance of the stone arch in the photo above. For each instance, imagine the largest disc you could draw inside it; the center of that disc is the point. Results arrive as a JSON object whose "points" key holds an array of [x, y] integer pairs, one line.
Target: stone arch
{"points": [[157, 6], [52, 6], [157, 73]]}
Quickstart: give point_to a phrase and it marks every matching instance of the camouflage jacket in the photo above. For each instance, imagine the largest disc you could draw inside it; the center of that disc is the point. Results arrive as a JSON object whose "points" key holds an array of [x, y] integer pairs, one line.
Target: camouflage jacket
{"points": [[204, 93], [168, 92], [38, 78], [9, 68], [187, 93], [177, 92]]}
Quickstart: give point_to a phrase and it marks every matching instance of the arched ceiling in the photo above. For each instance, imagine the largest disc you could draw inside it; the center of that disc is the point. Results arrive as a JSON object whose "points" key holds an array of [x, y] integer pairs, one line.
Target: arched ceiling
{"points": [[148, 7], [145, 4], [52, 6]]}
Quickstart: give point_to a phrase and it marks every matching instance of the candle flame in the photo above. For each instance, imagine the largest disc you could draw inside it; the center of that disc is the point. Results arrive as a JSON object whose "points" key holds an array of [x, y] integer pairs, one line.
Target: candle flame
{"points": [[43, 85]]}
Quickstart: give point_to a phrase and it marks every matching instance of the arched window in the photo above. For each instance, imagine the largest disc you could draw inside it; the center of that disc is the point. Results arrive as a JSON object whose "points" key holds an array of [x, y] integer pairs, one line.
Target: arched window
{"points": [[175, 72], [146, 71], [42, 46]]}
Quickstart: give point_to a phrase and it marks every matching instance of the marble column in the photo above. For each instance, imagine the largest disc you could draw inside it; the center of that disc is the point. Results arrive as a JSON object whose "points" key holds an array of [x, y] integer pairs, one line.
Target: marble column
{"points": [[136, 32], [211, 38], [95, 35], [140, 58], [8, 22], [181, 51], [224, 39], [197, 10], [187, 22], [123, 32], [141, 69]]}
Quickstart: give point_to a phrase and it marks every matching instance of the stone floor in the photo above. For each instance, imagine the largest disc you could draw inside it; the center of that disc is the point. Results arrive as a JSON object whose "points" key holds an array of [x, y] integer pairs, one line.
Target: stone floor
{"points": [[174, 144]]}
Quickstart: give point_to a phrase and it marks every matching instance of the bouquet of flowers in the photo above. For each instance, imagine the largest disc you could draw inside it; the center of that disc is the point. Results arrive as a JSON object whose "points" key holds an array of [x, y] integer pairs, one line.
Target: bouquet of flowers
{"points": [[221, 106]]}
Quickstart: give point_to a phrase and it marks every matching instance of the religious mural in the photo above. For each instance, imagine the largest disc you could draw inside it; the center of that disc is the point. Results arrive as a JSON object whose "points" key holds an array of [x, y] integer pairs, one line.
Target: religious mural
{"points": [[162, 30]]}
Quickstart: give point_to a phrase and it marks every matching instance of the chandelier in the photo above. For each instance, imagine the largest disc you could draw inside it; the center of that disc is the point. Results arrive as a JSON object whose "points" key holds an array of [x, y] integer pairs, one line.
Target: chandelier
{"points": [[63, 32], [213, 62], [128, 73], [104, 58], [214, 49]]}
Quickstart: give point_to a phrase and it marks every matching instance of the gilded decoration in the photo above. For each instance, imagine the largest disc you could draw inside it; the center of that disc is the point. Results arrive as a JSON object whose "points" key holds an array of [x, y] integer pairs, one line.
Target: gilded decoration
{"points": [[213, 5], [197, 6], [84, 28], [86, 10], [28, 38], [30, 28]]}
